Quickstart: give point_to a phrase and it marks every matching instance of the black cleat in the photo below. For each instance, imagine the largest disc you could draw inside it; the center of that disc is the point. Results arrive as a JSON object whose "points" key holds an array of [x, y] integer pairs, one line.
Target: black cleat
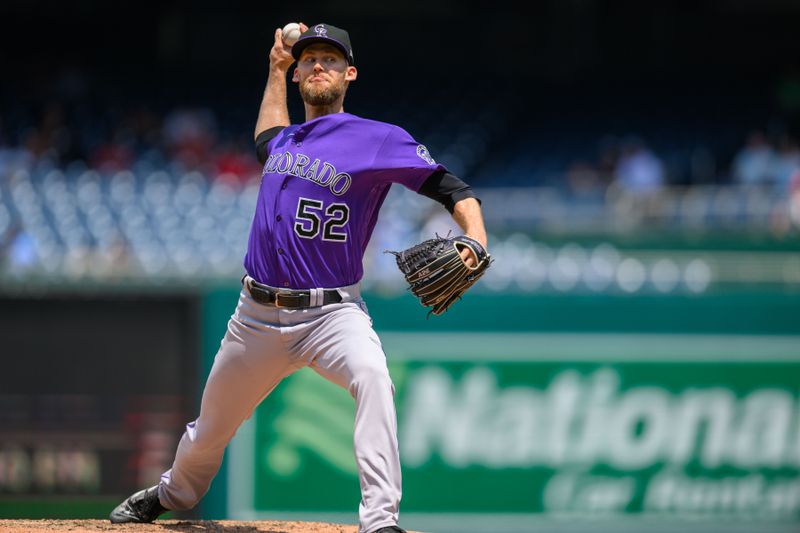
{"points": [[142, 506], [390, 529]]}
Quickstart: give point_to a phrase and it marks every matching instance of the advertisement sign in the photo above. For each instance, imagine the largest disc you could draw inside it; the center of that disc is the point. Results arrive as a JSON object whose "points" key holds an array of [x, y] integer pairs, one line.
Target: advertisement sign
{"points": [[526, 426]]}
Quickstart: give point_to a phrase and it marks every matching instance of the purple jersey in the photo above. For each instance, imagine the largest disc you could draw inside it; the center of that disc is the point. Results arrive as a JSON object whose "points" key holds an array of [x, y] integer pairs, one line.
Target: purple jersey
{"points": [[321, 189]]}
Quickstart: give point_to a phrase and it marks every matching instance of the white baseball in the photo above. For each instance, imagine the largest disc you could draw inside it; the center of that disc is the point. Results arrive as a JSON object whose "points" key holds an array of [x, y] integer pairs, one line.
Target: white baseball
{"points": [[291, 32]]}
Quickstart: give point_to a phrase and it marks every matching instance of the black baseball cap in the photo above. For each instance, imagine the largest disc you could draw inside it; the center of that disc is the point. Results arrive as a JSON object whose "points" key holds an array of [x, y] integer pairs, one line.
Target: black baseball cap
{"points": [[324, 33]]}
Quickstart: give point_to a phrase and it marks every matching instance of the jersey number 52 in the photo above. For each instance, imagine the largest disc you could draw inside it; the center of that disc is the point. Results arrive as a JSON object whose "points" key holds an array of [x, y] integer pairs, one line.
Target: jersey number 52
{"points": [[309, 220]]}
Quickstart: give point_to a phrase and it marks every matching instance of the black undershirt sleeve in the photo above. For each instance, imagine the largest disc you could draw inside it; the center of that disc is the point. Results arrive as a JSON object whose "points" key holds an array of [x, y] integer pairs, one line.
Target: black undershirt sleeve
{"points": [[447, 189], [261, 142]]}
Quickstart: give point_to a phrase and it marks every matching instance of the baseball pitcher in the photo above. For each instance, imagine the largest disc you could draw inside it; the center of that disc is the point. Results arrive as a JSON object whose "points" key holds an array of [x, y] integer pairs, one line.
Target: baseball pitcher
{"points": [[322, 185]]}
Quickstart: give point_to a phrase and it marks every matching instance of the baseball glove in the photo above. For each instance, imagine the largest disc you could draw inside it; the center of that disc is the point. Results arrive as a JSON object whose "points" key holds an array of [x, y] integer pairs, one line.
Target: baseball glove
{"points": [[436, 273]]}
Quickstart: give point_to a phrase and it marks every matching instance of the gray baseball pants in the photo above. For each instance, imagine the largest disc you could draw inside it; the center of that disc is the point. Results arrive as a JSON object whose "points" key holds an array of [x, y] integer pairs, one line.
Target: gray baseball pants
{"points": [[263, 345]]}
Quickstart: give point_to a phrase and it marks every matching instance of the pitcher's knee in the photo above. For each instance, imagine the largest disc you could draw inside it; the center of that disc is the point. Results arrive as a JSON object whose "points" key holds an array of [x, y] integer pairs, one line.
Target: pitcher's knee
{"points": [[203, 439], [371, 376]]}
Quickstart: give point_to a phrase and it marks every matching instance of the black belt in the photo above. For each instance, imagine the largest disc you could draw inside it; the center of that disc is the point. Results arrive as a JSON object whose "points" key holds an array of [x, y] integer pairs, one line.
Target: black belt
{"points": [[290, 298]]}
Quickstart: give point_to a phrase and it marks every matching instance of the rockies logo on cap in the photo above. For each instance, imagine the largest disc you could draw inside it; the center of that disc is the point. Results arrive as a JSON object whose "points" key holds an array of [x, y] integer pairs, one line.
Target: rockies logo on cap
{"points": [[321, 30]]}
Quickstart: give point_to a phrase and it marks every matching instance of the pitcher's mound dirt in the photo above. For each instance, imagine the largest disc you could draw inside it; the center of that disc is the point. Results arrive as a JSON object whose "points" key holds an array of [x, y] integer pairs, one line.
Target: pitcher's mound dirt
{"points": [[168, 526]]}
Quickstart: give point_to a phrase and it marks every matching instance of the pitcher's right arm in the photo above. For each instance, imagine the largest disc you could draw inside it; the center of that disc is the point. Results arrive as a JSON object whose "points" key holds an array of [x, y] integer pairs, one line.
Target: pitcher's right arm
{"points": [[274, 111]]}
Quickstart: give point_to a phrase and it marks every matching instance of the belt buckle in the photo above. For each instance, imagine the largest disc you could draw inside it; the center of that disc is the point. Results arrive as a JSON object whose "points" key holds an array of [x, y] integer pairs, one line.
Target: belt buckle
{"points": [[277, 302], [287, 296]]}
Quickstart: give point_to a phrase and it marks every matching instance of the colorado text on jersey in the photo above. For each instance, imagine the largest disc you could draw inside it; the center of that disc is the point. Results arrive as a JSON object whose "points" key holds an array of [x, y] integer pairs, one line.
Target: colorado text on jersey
{"points": [[295, 165]]}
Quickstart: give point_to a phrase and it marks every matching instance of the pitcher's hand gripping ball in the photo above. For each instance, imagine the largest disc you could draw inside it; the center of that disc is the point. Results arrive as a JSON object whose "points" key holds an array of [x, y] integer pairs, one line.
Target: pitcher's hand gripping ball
{"points": [[436, 273]]}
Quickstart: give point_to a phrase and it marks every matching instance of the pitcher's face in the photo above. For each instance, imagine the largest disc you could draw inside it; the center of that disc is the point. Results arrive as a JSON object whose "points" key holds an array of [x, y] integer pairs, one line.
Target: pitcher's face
{"points": [[323, 74]]}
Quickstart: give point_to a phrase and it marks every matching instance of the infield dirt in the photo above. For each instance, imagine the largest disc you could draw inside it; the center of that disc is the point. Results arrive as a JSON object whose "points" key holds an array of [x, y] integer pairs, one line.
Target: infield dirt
{"points": [[165, 526]]}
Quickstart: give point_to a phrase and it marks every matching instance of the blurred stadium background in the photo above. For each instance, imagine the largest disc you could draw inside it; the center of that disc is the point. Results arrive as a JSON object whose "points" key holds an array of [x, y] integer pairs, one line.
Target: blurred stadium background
{"points": [[631, 361]]}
